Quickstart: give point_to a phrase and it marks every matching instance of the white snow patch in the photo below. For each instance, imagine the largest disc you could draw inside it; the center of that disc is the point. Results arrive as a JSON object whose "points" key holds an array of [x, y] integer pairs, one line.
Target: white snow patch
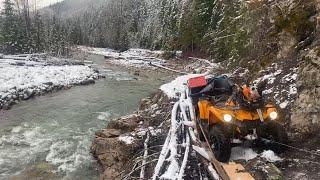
{"points": [[172, 171], [189, 124], [236, 141], [154, 132], [242, 153], [16, 129], [268, 91], [284, 104], [270, 156], [178, 85], [126, 139], [293, 89], [141, 132], [251, 137], [201, 151], [213, 172]]}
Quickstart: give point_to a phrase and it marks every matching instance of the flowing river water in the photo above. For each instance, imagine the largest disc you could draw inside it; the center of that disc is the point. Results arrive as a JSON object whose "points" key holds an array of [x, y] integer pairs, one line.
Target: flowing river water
{"points": [[49, 137]]}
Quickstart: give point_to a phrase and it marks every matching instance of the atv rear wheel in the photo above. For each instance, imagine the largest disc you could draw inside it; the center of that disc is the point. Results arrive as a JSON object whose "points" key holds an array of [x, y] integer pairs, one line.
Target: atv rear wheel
{"points": [[275, 136], [220, 143]]}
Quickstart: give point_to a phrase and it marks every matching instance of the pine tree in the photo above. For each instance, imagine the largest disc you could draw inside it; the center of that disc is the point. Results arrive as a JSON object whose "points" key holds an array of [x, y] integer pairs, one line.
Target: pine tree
{"points": [[37, 34], [226, 39], [9, 31]]}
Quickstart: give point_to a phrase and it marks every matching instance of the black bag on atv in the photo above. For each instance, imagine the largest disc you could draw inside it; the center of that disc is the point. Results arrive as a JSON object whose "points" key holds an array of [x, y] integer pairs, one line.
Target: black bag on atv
{"points": [[217, 87]]}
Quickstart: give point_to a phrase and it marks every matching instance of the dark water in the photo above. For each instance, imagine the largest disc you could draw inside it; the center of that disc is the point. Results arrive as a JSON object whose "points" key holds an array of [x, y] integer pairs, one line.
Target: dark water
{"points": [[50, 136]]}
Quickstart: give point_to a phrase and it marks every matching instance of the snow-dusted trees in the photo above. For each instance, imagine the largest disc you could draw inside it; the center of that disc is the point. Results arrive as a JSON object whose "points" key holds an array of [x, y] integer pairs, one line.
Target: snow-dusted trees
{"points": [[221, 29], [226, 38], [9, 36], [37, 34], [22, 31]]}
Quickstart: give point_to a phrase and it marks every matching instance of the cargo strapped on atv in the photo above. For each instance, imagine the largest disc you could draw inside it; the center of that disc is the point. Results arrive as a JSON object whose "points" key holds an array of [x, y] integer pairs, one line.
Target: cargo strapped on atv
{"points": [[218, 87]]}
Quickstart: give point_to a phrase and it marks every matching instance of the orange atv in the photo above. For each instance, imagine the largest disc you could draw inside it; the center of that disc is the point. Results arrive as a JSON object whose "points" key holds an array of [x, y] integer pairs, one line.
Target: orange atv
{"points": [[226, 112]]}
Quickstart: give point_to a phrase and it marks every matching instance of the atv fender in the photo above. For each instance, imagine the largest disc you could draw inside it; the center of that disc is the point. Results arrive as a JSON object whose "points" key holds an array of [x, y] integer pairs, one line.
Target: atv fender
{"points": [[203, 109]]}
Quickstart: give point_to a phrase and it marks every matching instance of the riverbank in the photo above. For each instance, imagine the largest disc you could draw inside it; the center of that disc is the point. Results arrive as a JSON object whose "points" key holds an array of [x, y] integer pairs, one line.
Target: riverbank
{"points": [[22, 79]]}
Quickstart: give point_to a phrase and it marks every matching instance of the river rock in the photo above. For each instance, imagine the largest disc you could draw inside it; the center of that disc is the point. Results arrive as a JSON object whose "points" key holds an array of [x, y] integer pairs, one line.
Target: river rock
{"points": [[87, 82], [127, 124], [144, 103], [113, 155], [7, 105], [108, 133], [48, 83]]}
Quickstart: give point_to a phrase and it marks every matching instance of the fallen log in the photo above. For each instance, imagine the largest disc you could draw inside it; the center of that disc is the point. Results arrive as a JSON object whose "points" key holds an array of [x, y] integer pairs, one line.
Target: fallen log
{"points": [[168, 69], [145, 155]]}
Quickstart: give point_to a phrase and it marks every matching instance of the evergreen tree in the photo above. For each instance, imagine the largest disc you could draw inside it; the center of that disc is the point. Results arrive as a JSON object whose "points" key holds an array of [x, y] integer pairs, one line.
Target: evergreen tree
{"points": [[9, 30], [226, 39], [37, 34]]}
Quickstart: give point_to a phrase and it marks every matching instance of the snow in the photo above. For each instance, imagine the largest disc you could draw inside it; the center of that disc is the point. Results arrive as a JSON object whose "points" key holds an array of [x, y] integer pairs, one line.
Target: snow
{"points": [[132, 57], [290, 77], [236, 141], [177, 86], [189, 124], [251, 137], [14, 78], [293, 89], [270, 156], [243, 153], [126, 139], [238, 153], [172, 171], [201, 151], [284, 104], [213, 172]]}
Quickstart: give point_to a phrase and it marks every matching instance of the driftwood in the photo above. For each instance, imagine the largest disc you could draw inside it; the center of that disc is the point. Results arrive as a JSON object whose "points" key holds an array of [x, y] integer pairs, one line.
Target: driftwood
{"points": [[166, 68], [24, 57], [145, 155]]}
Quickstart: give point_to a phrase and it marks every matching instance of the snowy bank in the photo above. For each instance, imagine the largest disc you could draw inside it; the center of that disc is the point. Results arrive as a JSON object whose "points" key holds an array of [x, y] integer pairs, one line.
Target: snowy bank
{"points": [[22, 81], [132, 58], [177, 86]]}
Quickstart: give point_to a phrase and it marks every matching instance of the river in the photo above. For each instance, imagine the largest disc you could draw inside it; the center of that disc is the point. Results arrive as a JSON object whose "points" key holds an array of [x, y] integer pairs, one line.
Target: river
{"points": [[49, 137]]}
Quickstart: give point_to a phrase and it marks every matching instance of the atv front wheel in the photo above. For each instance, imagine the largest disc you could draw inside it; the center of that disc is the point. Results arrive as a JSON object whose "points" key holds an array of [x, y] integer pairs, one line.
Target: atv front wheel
{"points": [[275, 137], [220, 143]]}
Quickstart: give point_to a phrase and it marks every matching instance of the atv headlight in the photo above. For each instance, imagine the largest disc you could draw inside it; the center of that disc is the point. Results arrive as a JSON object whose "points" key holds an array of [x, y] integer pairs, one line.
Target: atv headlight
{"points": [[227, 117], [273, 115]]}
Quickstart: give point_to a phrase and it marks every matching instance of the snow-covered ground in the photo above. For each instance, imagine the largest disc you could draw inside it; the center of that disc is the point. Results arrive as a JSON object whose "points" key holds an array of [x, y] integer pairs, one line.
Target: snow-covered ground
{"points": [[133, 57], [178, 85], [242, 153], [22, 79]]}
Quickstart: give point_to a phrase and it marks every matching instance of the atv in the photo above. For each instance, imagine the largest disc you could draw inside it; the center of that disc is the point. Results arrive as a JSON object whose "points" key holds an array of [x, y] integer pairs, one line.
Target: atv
{"points": [[224, 113]]}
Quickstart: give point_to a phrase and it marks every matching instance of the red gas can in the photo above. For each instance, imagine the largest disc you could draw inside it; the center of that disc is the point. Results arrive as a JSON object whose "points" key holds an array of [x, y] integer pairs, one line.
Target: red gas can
{"points": [[197, 82]]}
